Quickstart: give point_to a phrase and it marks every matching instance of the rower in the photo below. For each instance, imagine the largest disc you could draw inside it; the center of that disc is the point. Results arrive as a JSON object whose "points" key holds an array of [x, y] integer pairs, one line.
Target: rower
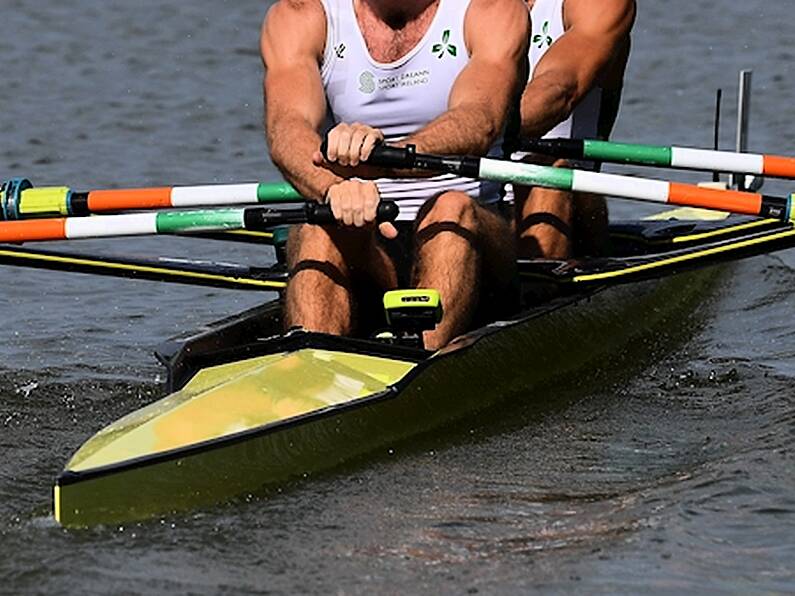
{"points": [[432, 73], [578, 54]]}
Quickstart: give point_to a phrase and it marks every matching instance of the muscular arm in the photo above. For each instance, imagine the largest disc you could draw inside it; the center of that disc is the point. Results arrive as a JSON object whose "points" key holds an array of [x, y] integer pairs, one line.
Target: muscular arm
{"points": [[292, 44], [496, 33], [597, 33]]}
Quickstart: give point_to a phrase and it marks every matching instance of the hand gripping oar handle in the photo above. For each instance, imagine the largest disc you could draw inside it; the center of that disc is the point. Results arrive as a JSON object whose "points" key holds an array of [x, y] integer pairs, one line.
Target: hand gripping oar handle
{"points": [[385, 156], [407, 158], [312, 213]]}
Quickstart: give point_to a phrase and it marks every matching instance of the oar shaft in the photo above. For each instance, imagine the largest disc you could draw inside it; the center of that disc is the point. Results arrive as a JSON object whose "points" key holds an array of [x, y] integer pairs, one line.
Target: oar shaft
{"points": [[190, 196], [775, 166], [133, 224], [639, 189], [19, 200], [172, 222], [627, 187]]}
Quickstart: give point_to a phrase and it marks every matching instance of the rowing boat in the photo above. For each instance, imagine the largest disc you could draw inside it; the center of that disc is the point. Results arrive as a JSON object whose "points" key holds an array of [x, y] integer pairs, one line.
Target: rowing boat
{"points": [[251, 408]]}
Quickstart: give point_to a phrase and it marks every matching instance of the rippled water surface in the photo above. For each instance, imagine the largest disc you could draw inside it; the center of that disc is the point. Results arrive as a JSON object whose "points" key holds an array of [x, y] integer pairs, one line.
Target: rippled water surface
{"points": [[668, 471]]}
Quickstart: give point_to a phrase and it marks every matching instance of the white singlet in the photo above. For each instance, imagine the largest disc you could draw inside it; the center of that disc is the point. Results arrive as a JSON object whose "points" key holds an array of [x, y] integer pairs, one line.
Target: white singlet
{"points": [[402, 96], [548, 26], [583, 123]]}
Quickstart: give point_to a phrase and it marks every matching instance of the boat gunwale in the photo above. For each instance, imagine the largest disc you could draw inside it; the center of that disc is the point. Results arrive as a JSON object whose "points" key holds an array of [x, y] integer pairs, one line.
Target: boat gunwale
{"points": [[643, 267]]}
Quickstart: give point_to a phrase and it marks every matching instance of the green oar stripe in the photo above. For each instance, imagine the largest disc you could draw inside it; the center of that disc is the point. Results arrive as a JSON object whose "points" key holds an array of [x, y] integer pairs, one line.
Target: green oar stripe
{"points": [[271, 192], [526, 174], [650, 155], [184, 221]]}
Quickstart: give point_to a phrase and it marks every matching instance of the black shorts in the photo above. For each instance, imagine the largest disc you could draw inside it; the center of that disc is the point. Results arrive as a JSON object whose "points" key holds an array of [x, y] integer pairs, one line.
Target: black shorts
{"points": [[402, 250]]}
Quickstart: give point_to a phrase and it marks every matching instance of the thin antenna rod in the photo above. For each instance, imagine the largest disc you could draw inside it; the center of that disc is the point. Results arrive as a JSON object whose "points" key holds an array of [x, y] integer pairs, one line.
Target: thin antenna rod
{"points": [[743, 120], [716, 138]]}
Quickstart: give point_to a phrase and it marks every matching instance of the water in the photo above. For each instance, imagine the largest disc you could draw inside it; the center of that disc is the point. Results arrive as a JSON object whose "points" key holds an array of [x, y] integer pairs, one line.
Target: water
{"points": [[673, 474]]}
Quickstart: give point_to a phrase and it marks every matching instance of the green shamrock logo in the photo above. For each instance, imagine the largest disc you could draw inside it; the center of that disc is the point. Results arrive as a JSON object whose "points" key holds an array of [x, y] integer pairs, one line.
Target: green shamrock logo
{"points": [[445, 46], [543, 36]]}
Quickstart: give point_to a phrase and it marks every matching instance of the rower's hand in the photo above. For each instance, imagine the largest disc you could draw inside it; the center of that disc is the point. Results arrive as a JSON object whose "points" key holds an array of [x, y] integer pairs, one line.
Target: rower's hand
{"points": [[349, 145], [354, 203]]}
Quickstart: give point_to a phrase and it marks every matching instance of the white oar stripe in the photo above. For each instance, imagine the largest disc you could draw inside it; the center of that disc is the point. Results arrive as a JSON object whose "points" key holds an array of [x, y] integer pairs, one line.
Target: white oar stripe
{"points": [[134, 224], [227, 194], [721, 161], [620, 186]]}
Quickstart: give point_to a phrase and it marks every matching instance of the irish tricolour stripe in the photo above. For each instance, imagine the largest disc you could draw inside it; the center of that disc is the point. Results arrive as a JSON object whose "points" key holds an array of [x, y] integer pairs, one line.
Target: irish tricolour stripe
{"points": [[627, 187], [131, 224], [639, 189], [776, 166], [19, 200]]}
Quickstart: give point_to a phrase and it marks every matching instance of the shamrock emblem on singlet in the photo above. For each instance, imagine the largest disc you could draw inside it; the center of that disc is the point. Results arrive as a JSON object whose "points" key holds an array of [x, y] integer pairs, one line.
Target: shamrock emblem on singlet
{"points": [[544, 36], [367, 82], [445, 46]]}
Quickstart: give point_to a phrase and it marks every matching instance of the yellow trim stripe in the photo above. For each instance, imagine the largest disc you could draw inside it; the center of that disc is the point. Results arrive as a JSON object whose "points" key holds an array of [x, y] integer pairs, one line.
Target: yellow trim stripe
{"points": [[264, 235], [683, 258], [56, 509], [705, 235], [724, 231], [272, 285]]}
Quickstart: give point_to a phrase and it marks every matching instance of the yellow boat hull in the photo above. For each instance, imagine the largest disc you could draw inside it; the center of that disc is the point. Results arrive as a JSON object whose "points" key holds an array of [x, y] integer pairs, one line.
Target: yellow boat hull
{"points": [[237, 428]]}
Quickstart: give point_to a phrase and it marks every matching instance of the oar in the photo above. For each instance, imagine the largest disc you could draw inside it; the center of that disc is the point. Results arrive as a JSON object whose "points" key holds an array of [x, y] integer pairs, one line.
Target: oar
{"points": [[627, 187], [687, 158], [173, 222], [19, 200]]}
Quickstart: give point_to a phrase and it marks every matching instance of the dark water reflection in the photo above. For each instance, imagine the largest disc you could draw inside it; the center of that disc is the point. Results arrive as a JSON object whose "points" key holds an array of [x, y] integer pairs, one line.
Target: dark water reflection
{"points": [[669, 470]]}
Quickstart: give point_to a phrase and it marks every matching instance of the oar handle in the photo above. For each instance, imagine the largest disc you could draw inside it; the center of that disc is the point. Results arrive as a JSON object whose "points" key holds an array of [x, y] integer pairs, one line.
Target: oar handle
{"points": [[264, 218], [565, 148], [321, 215], [385, 156]]}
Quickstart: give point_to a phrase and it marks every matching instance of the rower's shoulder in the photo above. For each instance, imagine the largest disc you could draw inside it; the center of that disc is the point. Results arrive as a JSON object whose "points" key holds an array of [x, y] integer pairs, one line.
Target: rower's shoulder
{"points": [[516, 6], [295, 21], [297, 5], [497, 9], [294, 12], [510, 17], [622, 12]]}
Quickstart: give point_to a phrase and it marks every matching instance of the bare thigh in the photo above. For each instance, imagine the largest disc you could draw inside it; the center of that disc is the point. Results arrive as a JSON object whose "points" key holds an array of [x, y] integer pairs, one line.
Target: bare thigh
{"points": [[462, 249], [558, 224], [325, 263], [484, 228]]}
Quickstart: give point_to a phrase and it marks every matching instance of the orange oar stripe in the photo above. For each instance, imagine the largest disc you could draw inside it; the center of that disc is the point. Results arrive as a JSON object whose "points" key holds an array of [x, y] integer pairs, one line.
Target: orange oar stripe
{"points": [[783, 167], [33, 230], [710, 198], [119, 200]]}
